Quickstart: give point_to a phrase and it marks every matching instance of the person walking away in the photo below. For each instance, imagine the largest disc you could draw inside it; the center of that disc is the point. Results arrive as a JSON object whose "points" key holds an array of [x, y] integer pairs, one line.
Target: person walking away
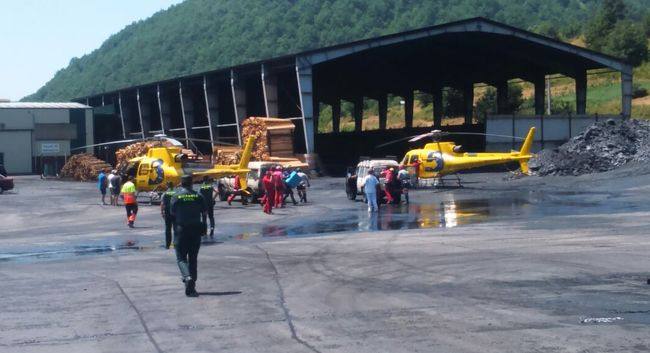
{"points": [[389, 185], [165, 212], [416, 172], [109, 179], [369, 185], [188, 207], [116, 182], [237, 191], [404, 179], [128, 192], [279, 187], [269, 192], [303, 185], [207, 191], [102, 184], [290, 182]]}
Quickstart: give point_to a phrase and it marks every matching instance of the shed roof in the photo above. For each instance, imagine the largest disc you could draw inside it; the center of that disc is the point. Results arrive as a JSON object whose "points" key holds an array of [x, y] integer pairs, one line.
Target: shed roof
{"points": [[43, 105]]}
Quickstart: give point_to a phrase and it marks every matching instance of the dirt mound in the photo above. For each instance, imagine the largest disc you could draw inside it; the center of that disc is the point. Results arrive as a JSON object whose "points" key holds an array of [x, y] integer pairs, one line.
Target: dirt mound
{"points": [[601, 147]]}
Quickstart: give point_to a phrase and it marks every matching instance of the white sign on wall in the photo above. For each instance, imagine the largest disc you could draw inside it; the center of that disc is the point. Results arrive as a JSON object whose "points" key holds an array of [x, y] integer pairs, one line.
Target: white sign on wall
{"points": [[50, 148]]}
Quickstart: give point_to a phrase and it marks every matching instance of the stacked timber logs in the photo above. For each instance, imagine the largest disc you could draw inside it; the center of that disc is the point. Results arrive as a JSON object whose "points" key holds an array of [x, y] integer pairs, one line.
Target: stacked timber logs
{"points": [[226, 154], [83, 167], [273, 137], [123, 155]]}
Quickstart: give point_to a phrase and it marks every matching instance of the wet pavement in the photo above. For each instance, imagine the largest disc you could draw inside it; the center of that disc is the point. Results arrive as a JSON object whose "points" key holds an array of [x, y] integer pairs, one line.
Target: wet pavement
{"points": [[555, 264]]}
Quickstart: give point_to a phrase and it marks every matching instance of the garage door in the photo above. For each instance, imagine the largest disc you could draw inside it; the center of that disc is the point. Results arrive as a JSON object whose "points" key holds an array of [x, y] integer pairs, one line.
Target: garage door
{"points": [[16, 148]]}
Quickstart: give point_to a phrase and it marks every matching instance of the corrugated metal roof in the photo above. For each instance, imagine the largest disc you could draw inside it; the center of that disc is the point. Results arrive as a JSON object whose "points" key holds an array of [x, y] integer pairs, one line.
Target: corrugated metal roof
{"points": [[43, 105]]}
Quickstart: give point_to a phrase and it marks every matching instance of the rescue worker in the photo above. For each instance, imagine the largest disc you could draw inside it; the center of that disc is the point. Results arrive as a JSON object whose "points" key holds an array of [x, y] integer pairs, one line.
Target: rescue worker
{"points": [[369, 185], [116, 183], [416, 172], [389, 186], [128, 192], [237, 191], [188, 208], [102, 184], [207, 191], [290, 181], [404, 179], [303, 185], [269, 192], [278, 184], [165, 212]]}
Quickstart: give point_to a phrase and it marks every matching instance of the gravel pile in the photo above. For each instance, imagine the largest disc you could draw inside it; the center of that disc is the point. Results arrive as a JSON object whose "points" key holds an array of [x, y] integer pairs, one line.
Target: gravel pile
{"points": [[601, 147]]}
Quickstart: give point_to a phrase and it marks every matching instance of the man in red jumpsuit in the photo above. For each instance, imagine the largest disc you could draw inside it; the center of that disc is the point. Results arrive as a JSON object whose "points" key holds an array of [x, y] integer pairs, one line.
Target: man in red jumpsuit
{"points": [[278, 183], [388, 186], [237, 190], [269, 192]]}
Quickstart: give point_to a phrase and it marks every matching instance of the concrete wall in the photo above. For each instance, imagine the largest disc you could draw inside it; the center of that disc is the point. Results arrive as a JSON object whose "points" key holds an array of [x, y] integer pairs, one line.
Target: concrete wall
{"points": [[17, 150], [551, 130]]}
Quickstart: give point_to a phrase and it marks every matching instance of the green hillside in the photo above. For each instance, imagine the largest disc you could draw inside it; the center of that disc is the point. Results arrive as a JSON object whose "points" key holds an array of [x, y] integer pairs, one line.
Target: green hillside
{"points": [[200, 35]]}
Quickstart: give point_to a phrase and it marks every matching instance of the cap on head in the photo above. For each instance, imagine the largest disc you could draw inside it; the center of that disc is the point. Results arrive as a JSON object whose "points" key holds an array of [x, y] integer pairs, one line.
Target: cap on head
{"points": [[392, 169], [186, 180], [278, 168]]}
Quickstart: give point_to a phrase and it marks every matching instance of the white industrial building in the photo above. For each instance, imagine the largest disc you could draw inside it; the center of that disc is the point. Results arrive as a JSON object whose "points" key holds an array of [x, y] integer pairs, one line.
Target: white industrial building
{"points": [[38, 137]]}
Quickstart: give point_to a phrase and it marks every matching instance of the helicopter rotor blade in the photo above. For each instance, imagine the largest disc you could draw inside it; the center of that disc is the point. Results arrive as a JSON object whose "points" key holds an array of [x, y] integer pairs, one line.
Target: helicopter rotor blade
{"points": [[484, 134], [105, 144], [395, 141], [420, 137]]}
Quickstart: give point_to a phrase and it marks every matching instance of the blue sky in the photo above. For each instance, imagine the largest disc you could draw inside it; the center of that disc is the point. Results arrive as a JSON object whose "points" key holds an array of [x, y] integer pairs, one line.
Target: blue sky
{"points": [[39, 37]]}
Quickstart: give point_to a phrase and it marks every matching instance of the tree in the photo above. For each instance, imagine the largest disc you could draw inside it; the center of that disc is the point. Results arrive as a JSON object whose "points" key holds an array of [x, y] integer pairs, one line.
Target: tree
{"points": [[611, 11], [628, 41]]}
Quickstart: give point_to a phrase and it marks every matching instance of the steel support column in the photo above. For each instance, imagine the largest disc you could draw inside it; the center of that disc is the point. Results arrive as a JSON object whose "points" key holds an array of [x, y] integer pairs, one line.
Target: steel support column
{"points": [[581, 93], [238, 101], [382, 102], [436, 96], [119, 102], [502, 97], [212, 109], [142, 129], [336, 115], [358, 113], [408, 109], [468, 98], [626, 93], [163, 108], [304, 77], [180, 95], [270, 90], [540, 89]]}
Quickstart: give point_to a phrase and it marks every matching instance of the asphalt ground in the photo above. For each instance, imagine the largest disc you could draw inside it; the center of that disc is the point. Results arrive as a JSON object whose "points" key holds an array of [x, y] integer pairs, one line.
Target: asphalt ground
{"points": [[554, 264]]}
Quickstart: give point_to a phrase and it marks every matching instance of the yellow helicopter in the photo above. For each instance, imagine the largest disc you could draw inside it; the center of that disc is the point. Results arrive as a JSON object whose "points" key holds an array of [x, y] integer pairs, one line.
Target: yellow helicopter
{"points": [[440, 158], [169, 162]]}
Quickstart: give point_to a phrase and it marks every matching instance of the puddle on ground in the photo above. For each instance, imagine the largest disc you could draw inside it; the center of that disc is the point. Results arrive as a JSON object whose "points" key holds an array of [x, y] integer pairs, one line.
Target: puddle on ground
{"points": [[76, 250]]}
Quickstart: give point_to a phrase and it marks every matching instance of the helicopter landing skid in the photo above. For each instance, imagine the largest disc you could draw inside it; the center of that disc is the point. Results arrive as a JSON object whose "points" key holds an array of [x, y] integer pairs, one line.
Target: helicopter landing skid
{"points": [[439, 182]]}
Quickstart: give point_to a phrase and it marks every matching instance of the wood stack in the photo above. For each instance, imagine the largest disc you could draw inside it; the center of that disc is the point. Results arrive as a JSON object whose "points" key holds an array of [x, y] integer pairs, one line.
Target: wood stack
{"points": [[226, 154], [273, 137], [123, 155], [83, 167]]}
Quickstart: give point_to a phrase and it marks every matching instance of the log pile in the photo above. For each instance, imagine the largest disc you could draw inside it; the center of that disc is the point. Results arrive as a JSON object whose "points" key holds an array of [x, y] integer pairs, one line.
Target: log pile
{"points": [[226, 154], [273, 137], [83, 167], [123, 155]]}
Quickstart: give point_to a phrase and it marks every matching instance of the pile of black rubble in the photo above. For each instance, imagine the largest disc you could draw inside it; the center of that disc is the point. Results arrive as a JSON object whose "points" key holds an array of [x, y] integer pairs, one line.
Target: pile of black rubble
{"points": [[603, 146]]}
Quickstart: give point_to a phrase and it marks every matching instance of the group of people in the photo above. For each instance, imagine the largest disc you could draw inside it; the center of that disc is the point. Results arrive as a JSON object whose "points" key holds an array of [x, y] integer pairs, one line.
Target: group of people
{"points": [[278, 186], [110, 181], [396, 183]]}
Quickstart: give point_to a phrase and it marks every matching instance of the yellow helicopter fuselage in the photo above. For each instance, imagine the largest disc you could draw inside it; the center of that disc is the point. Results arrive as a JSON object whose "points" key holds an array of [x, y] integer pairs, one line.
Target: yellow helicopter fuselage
{"points": [[162, 165], [441, 158]]}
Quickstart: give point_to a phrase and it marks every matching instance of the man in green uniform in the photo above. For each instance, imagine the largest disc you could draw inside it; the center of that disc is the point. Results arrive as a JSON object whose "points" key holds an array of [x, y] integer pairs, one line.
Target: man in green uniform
{"points": [[165, 212], [207, 191], [188, 209]]}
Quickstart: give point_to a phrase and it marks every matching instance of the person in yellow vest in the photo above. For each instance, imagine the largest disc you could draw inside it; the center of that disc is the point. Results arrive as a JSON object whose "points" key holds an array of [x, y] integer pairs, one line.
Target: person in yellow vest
{"points": [[128, 192]]}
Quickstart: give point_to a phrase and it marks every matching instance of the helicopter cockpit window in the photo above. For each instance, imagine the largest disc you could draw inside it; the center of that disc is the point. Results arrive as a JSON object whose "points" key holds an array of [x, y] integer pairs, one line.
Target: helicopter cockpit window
{"points": [[144, 169], [132, 168], [414, 158], [181, 157], [458, 149], [431, 156]]}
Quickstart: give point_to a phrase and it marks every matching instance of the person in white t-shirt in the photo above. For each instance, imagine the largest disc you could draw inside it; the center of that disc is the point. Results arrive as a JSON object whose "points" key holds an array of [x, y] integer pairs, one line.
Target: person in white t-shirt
{"points": [[110, 186], [369, 185]]}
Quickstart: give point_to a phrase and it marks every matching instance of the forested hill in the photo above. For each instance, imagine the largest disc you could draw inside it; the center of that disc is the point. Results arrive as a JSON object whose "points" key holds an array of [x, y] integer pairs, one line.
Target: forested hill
{"points": [[201, 35]]}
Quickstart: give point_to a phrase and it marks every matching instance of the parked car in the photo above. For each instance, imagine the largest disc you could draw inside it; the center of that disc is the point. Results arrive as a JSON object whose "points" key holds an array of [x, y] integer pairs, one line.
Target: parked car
{"points": [[355, 175], [226, 185], [6, 183]]}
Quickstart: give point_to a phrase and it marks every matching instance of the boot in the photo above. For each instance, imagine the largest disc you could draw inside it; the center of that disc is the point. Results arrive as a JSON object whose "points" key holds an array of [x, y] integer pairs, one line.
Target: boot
{"points": [[190, 289], [211, 232]]}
